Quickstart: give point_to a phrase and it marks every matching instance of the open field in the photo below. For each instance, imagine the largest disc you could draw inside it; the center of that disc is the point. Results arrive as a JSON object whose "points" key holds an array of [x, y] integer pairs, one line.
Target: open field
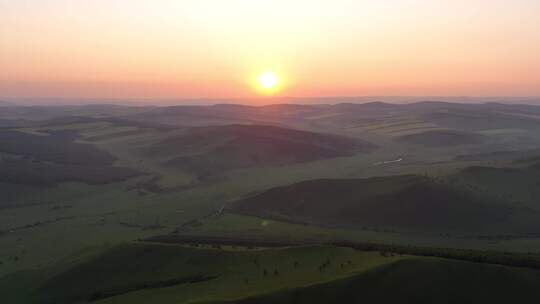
{"points": [[238, 272], [417, 281], [216, 274], [78, 190]]}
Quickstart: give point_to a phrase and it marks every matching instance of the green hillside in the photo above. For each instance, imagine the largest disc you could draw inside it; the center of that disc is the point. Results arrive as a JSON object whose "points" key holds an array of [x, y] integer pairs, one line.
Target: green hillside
{"points": [[403, 202], [210, 150], [442, 138], [429, 281], [520, 185], [138, 273]]}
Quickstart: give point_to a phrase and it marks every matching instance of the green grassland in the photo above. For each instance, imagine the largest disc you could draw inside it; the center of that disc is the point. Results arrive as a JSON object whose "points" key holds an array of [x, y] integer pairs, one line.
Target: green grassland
{"points": [[234, 225], [168, 273], [53, 232], [229, 273], [398, 203], [76, 215], [418, 281]]}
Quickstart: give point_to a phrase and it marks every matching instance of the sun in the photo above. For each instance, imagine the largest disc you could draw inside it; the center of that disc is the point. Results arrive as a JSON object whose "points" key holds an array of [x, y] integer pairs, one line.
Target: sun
{"points": [[268, 80]]}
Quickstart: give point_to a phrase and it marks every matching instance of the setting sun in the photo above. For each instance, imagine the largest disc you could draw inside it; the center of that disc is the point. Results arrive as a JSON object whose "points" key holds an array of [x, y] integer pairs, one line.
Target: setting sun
{"points": [[268, 82]]}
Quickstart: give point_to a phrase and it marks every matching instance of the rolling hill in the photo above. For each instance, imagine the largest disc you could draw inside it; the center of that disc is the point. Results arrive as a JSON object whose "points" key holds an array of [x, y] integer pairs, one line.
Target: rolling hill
{"points": [[442, 138], [143, 273], [158, 273], [56, 147], [518, 184], [403, 202], [417, 281], [47, 159], [210, 150]]}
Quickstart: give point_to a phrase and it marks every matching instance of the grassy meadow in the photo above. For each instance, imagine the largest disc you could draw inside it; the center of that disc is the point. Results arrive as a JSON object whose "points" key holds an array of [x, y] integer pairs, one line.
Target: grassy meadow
{"points": [[84, 192]]}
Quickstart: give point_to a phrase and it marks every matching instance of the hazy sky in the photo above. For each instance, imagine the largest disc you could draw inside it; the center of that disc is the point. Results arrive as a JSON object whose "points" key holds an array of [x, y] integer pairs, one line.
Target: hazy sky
{"points": [[203, 48]]}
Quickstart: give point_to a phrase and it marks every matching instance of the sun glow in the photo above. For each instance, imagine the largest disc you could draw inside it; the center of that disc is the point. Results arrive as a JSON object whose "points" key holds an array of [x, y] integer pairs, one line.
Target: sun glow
{"points": [[268, 82]]}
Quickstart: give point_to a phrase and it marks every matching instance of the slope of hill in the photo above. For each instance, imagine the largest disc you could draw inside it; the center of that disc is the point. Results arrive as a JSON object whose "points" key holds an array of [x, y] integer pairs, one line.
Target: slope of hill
{"points": [[441, 138], [418, 281], [41, 113], [517, 156], [46, 174], [14, 123], [51, 158], [208, 150], [483, 116], [519, 184], [57, 147], [403, 202], [154, 273], [157, 273]]}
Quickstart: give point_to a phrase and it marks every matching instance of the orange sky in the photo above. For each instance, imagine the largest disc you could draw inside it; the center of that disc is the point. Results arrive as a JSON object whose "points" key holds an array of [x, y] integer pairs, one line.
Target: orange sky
{"points": [[204, 48]]}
